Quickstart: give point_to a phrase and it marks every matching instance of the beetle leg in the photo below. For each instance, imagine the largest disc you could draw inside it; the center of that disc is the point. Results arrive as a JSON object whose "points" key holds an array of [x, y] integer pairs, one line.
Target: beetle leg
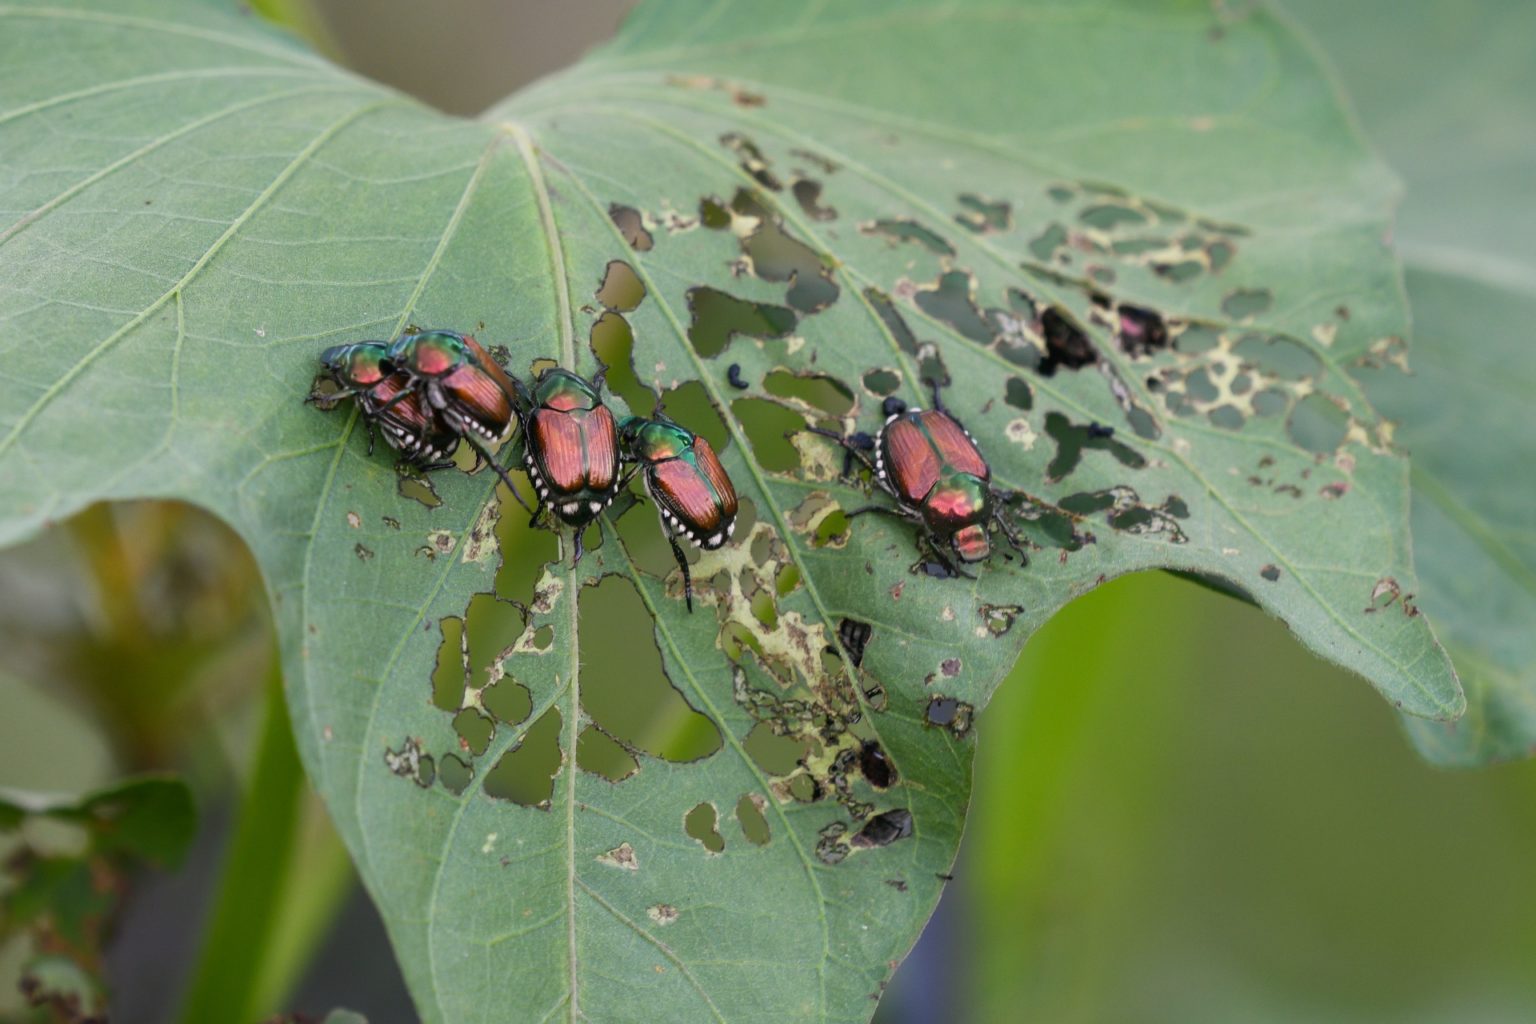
{"points": [[480, 451], [682, 563], [882, 509], [855, 447], [925, 539], [938, 402], [580, 542]]}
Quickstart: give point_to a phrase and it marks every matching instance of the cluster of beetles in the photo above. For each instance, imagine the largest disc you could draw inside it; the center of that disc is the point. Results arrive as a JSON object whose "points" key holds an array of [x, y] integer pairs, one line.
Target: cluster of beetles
{"points": [[426, 391]]}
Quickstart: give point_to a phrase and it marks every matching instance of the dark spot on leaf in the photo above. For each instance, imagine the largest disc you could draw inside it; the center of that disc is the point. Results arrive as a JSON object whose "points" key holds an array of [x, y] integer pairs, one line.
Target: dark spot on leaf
{"points": [[526, 773], [1065, 344], [950, 667], [909, 231], [718, 317], [1270, 572], [1141, 332], [808, 194], [876, 766], [632, 226], [733, 377], [884, 829]]}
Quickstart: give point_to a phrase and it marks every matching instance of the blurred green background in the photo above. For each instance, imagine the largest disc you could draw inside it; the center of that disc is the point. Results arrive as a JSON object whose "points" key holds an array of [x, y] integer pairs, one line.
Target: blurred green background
{"points": [[1179, 815]]}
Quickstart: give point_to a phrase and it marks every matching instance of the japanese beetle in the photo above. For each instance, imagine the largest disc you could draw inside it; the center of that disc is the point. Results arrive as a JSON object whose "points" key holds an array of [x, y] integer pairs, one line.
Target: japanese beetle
{"points": [[683, 476], [422, 408], [362, 371], [459, 379], [570, 446], [928, 462]]}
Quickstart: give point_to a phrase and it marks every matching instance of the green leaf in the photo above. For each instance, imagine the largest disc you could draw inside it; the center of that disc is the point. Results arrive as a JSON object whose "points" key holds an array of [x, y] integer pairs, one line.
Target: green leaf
{"points": [[866, 193], [1467, 228], [149, 818]]}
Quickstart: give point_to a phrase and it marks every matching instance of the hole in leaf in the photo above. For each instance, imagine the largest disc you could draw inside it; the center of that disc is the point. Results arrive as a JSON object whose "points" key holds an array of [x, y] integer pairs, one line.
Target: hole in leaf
{"points": [[752, 160], [601, 754], [1246, 302], [508, 701], [1072, 439], [690, 405], [828, 394], [448, 679], [1317, 424], [621, 290], [1280, 356], [882, 382], [779, 257], [456, 773], [774, 754], [765, 423], [718, 317], [1108, 217], [1017, 393], [909, 231], [475, 730], [613, 343], [754, 827], [624, 686], [983, 215], [493, 625], [1044, 245], [526, 773], [700, 824], [632, 226], [808, 194], [952, 300]]}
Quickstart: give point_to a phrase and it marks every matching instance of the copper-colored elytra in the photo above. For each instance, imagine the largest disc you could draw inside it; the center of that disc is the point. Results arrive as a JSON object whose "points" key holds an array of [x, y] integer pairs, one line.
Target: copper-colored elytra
{"points": [[577, 448], [679, 485], [911, 462], [709, 464], [954, 446]]}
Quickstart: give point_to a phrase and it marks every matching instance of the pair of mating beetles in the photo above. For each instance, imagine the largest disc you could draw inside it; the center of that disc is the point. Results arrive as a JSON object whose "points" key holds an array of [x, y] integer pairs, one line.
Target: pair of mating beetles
{"points": [[426, 390]]}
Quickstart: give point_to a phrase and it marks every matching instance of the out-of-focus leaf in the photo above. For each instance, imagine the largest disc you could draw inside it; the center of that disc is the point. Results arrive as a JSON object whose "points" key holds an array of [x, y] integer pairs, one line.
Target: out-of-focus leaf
{"points": [[151, 818], [1448, 91]]}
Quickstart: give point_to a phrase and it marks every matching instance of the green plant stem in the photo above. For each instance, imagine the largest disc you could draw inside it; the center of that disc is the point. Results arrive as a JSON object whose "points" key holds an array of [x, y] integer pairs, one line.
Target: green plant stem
{"points": [[256, 883]]}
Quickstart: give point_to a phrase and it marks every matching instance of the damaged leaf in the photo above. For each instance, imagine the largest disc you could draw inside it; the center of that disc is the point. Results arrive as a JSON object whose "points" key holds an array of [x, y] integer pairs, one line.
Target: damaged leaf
{"points": [[715, 217]]}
